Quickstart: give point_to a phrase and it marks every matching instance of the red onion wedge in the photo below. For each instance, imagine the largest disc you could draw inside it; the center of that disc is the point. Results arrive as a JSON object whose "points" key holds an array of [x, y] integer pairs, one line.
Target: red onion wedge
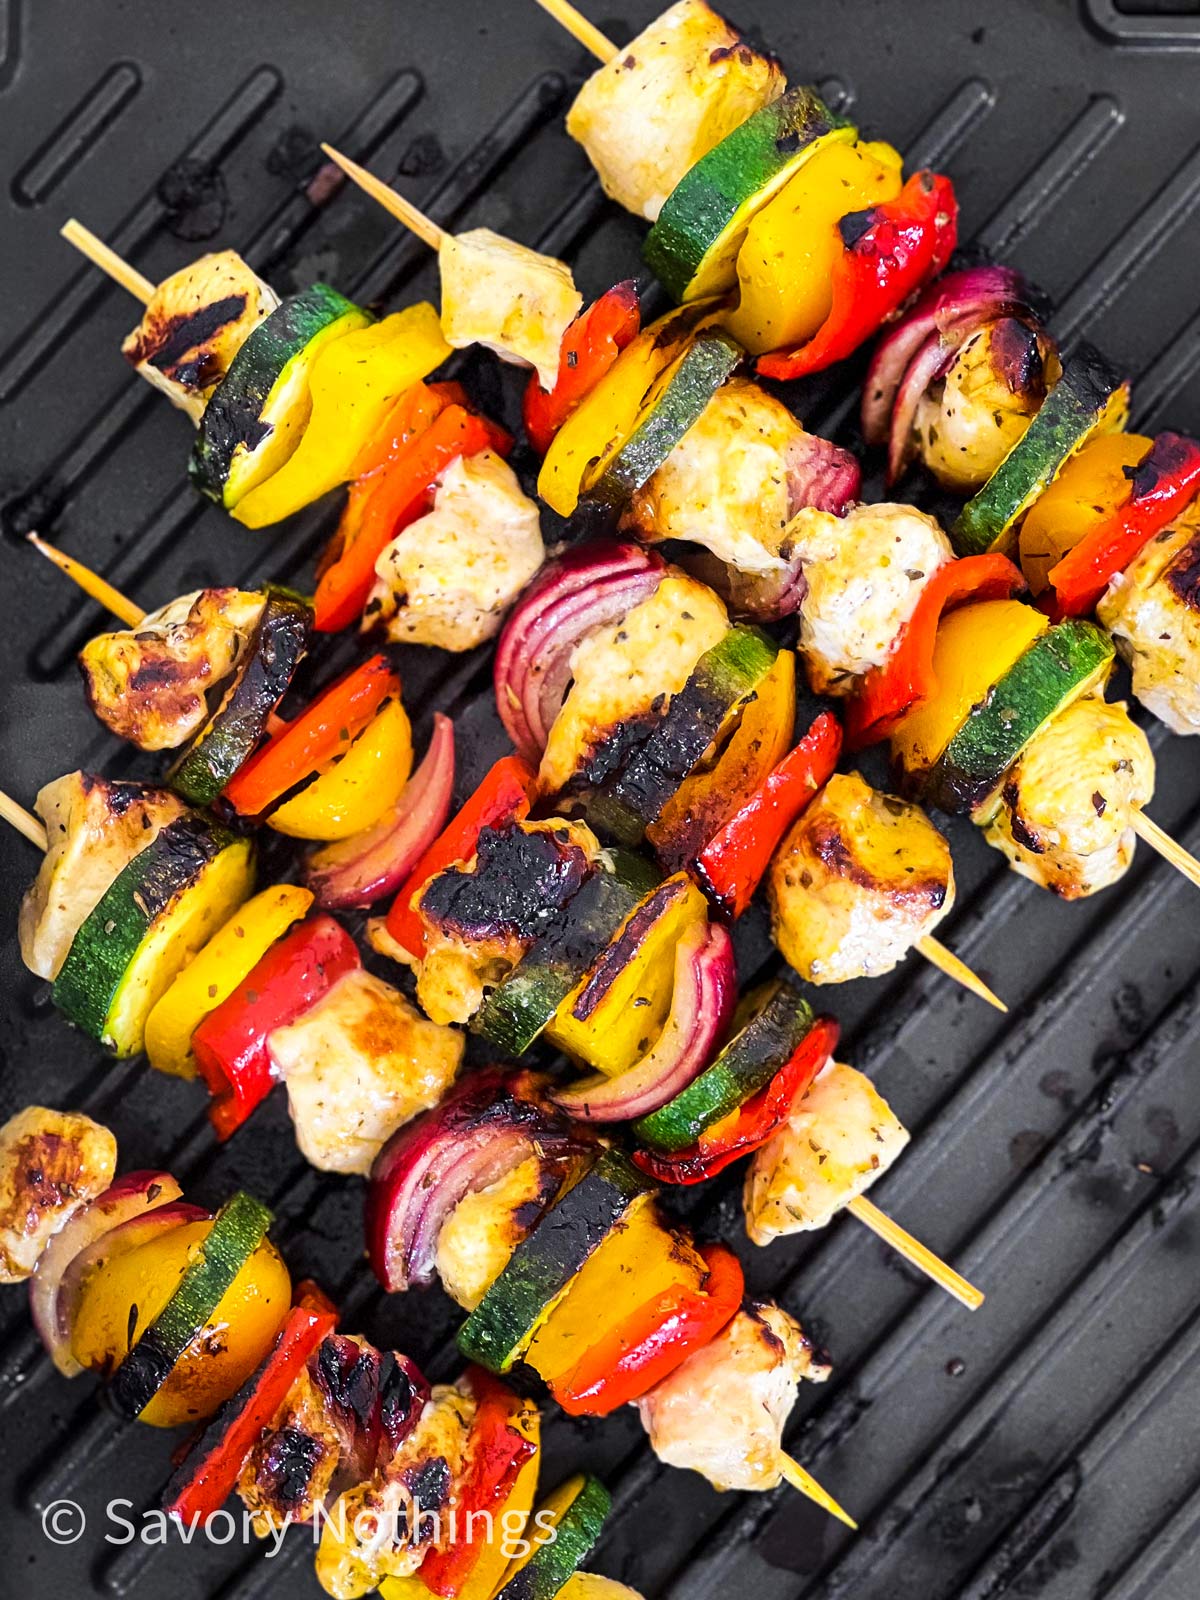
{"points": [[490, 1124], [701, 1005], [50, 1303], [978, 292], [591, 585], [368, 866]]}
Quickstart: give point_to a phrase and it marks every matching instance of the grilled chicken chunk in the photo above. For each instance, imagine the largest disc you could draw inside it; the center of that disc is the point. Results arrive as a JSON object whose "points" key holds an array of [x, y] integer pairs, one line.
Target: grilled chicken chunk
{"points": [[150, 684], [94, 829], [481, 917], [358, 1065], [623, 676], [734, 481], [1064, 814], [864, 574], [487, 1225], [508, 298], [196, 321], [376, 1529], [665, 100], [858, 880], [840, 1137], [722, 1412], [51, 1164], [449, 577], [290, 1470], [967, 423], [1152, 610]]}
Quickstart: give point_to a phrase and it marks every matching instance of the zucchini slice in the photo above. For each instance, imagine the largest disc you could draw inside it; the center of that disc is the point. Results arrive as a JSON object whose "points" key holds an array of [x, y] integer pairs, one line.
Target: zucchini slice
{"points": [[772, 1021], [259, 684], [515, 1013], [1089, 399], [692, 249], [148, 924], [257, 413], [716, 693], [540, 1269], [237, 1231], [1061, 665], [565, 1528], [674, 401]]}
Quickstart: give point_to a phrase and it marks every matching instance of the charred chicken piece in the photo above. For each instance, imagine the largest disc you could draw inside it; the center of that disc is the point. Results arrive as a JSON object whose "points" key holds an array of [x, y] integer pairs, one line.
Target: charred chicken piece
{"points": [[722, 1412], [1063, 819], [150, 684], [861, 877], [51, 1164], [94, 829], [840, 1137]]}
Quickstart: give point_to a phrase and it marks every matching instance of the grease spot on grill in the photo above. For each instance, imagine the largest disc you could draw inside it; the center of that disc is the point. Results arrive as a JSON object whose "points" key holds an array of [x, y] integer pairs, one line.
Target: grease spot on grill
{"points": [[1025, 1147], [195, 198], [423, 157], [1130, 1008], [1057, 1085]]}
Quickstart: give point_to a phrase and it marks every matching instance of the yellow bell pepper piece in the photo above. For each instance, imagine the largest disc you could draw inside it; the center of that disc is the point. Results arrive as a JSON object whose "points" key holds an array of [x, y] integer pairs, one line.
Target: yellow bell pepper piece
{"points": [[1089, 487], [354, 384], [359, 787], [785, 266], [638, 1260], [631, 1014], [122, 1296], [975, 647], [215, 972]]}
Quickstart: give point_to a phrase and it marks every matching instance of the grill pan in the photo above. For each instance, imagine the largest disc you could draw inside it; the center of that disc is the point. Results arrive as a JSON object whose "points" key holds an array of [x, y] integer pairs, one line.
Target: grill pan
{"points": [[1045, 1446]]}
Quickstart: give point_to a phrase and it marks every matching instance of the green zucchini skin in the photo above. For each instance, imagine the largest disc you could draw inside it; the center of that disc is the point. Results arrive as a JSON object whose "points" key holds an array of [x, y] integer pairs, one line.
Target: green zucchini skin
{"points": [[542, 1266], [233, 416], [699, 372], [780, 1018], [239, 1229], [107, 942], [575, 1534], [1056, 669], [1071, 413], [235, 728], [729, 672], [735, 179], [515, 1013]]}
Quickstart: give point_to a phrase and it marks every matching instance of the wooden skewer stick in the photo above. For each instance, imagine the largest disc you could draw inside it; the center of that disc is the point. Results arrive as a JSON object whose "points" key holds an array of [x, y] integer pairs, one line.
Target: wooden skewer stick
{"points": [[921, 1256], [578, 26], [23, 821], [801, 1479], [946, 961], [91, 583], [97, 252], [394, 204], [1167, 848]]}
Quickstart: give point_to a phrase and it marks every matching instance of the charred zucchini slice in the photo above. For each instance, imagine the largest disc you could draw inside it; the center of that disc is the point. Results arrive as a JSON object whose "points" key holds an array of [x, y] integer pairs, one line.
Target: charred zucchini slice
{"points": [[259, 684], [540, 1269], [564, 1529], [148, 924], [692, 248], [1089, 399], [257, 414], [771, 1023], [1061, 665]]}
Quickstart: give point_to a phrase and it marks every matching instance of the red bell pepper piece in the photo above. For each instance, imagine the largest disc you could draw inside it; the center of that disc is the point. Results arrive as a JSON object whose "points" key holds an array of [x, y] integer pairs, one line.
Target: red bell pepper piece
{"points": [[321, 732], [753, 1123], [732, 863], [589, 347], [1164, 482], [402, 491], [889, 251], [496, 1452], [907, 676], [210, 1472], [505, 795], [627, 1361], [231, 1043]]}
